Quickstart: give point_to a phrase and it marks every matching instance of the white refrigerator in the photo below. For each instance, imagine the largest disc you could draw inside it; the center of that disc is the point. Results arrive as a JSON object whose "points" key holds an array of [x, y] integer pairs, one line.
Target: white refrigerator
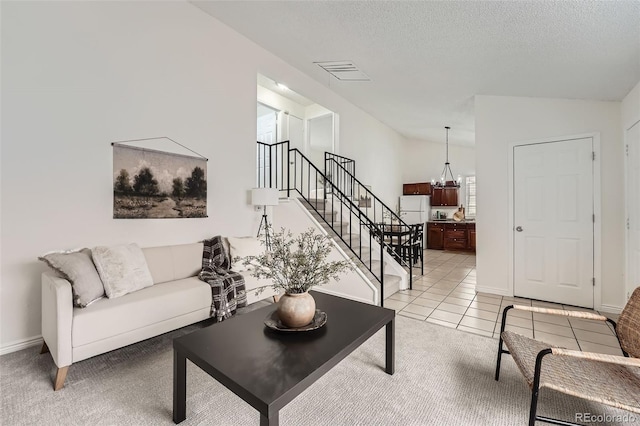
{"points": [[415, 209]]}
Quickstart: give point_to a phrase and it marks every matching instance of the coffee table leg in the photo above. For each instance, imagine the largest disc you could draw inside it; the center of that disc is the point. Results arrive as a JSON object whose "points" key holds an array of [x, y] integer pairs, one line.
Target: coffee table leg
{"points": [[391, 347], [270, 420], [179, 387]]}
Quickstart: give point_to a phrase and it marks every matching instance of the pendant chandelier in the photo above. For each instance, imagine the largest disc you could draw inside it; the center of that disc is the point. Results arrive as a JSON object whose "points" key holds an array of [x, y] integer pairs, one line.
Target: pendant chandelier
{"points": [[446, 171]]}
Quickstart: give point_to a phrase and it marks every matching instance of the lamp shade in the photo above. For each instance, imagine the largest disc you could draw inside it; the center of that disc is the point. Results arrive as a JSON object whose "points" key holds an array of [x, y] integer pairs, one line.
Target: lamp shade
{"points": [[264, 196]]}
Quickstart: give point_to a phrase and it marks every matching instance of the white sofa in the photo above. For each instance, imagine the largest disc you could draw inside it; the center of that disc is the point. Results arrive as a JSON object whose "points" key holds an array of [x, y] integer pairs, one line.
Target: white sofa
{"points": [[176, 299]]}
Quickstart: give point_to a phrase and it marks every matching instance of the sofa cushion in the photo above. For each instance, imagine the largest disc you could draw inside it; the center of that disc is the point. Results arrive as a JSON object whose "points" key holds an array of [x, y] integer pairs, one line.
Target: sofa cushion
{"points": [[169, 263], [109, 317], [77, 267], [122, 268], [240, 248], [251, 283]]}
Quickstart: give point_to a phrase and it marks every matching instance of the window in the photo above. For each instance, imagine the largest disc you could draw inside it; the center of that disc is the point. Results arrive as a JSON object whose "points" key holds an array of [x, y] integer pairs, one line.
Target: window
{"points": [[470, 186]]}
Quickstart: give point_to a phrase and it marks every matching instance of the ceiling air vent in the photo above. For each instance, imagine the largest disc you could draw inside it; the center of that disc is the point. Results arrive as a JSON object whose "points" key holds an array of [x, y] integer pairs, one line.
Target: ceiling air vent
{"points": [[343, 70]]}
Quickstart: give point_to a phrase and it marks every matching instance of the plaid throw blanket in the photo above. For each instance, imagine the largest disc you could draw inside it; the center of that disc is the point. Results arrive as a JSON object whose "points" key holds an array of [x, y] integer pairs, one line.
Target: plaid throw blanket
{"points": [[227, 287]]}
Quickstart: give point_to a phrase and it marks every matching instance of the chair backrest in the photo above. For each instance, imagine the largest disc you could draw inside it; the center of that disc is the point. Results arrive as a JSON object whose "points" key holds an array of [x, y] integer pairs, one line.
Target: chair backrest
{"points": [[418, 231], [628, 327]]}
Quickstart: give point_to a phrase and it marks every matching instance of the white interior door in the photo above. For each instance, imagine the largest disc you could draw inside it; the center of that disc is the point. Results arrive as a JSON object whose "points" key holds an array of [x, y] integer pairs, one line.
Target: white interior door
{"points": [[266, 124], [553, 221], [632, 138]]}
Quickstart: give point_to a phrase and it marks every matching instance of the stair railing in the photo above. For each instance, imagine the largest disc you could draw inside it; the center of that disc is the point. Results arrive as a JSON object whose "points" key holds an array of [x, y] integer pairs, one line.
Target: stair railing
{"points": [[271, 160], [373, 207], [340, 176], [288, 169], [309, 182]]}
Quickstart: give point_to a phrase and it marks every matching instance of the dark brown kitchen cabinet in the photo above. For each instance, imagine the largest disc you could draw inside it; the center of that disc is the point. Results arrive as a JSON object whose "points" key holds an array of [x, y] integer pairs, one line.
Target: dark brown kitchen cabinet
{"points": [[444, 196], [460, 236], [435, 236], [409, 189], [455, 236], [471, 230], [423, 188]]}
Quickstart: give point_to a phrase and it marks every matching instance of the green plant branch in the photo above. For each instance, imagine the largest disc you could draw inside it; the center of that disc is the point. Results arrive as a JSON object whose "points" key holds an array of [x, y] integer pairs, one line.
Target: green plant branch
{"points": [[295, 265]]}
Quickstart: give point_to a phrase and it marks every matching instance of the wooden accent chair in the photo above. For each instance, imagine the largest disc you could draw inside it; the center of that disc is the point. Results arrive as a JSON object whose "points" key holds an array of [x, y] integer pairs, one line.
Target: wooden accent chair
{"points": [[607, 379]]}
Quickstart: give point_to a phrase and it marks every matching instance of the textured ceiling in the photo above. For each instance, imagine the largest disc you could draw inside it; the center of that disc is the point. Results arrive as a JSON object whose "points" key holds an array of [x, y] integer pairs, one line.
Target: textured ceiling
{"points": [[427, 59]]}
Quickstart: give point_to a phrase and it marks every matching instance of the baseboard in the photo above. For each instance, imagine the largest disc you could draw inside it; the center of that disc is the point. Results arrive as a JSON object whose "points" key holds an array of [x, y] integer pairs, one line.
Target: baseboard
{"points": [[493, 290], [346, 296], [20, 345], [610, 309]]}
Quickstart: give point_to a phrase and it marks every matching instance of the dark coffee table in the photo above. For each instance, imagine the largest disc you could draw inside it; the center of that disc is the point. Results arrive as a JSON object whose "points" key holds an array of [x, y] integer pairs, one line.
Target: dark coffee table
{"points": [[269, 369]]}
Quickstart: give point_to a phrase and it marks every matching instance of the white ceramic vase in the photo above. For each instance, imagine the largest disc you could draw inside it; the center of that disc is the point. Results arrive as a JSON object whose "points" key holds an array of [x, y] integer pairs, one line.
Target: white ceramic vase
{"points": [[296, 310]]}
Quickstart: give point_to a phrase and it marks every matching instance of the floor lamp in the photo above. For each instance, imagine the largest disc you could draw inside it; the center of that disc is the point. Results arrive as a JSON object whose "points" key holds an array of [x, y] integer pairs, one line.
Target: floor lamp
{"points": [[265, 197]]}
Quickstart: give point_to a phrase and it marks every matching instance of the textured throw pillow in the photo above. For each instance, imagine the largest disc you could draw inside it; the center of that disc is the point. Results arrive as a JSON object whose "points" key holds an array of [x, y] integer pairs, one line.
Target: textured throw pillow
{"points": [[78, 268], [241, 247], [123, 269]]}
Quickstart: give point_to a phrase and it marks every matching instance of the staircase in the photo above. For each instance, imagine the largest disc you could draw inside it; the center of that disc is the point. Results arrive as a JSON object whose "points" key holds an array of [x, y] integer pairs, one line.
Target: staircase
{"points": [[366, 258], [355, 231]]}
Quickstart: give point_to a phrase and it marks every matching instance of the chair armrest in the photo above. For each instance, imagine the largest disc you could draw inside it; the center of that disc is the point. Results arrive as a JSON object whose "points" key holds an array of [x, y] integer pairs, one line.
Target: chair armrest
{"points": [[57, 318], [612, 359], [562, 312]]}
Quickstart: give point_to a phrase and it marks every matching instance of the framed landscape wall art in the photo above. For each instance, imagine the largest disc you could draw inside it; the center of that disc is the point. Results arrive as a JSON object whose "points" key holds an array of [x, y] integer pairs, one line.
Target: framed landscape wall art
{"points": [[153, 184]]}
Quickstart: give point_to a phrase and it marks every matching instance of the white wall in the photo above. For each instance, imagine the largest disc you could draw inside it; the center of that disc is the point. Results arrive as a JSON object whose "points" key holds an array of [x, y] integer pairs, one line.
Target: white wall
{"points": [[77, 75], [630, 116], [321, 135], [504, 120], [376, 149], [277, 101], [424, 160], [631, 107]]}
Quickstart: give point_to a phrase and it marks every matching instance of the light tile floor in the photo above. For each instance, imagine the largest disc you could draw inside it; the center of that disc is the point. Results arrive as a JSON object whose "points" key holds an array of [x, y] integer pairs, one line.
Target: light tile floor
{"points": [[446, 295]]}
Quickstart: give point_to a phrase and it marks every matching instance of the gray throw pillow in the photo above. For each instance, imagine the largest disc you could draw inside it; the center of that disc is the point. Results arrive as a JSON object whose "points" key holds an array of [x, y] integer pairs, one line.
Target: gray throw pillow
{"points": [[123, 269], [78, 268]]}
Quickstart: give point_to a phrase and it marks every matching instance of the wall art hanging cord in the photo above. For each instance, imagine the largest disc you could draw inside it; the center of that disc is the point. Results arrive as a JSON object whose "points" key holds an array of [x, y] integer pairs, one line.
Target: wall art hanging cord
{"points": [[156, 138]]}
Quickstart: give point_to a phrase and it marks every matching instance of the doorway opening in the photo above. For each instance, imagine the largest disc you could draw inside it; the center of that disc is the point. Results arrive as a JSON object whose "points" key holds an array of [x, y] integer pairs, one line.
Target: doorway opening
{"points": [[308, 126]]}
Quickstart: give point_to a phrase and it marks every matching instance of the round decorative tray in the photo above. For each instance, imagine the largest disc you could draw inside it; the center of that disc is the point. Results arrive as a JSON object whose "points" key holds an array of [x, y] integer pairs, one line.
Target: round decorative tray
{"points": [[274, 323]]}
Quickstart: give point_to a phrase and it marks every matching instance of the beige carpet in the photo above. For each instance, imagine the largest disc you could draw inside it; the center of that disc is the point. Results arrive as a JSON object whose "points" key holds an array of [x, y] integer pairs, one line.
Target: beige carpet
{"points": [[443, 377]]}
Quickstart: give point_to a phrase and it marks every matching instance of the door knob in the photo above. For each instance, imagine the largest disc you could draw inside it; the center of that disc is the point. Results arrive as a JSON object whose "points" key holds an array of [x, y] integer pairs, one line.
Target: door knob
{"points": [[519, 228]]}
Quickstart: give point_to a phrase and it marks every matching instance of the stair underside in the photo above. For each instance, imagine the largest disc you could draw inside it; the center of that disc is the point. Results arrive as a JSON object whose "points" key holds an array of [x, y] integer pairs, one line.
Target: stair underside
{"points": [[352, 243]]}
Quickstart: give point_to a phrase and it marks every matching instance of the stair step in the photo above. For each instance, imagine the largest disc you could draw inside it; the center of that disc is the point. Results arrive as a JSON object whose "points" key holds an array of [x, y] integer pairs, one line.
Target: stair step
{"points": [[391, 282], [338, 226], [329, 215], [318, 203], [391, 285], [375, 265], [355, 240]]}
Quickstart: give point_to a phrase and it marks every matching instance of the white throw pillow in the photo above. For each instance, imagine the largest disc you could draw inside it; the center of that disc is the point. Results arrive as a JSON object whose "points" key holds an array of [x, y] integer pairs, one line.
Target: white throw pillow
{"points": [[123, 269], [242, 247]]}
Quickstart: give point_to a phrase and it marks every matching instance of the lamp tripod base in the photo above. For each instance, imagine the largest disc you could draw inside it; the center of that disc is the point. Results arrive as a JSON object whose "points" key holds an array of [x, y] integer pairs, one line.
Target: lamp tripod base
{"points": [[265, 223]]}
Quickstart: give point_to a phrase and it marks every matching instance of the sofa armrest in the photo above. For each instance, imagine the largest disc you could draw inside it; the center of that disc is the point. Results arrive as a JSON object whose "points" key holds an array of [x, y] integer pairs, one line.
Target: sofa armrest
{"points": [[57, 318]]}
